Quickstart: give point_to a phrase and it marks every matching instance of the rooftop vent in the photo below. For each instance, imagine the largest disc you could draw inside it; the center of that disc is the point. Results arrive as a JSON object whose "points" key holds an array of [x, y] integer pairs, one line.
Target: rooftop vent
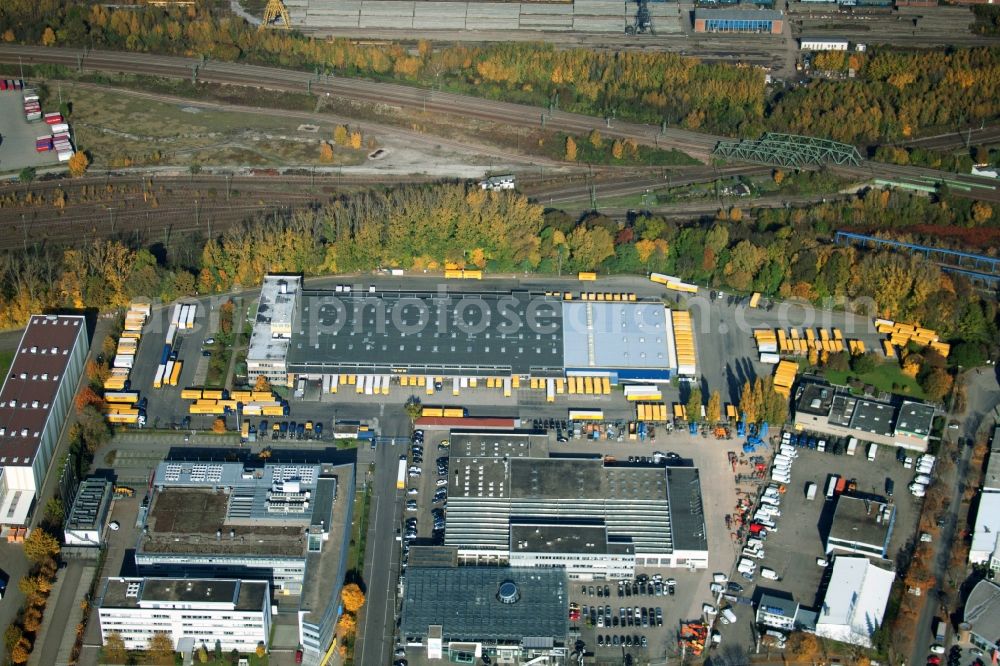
{"points": [[508, 592]]}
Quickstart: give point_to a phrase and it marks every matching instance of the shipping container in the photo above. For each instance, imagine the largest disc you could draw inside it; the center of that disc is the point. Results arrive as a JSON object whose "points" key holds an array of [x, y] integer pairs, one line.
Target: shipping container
{"points": [[191, 394], [175, 374], [124, 361], [586, 415], [215, 394], [121, 396], [401, 473], [586, 276], [454, 412], [158, 378], [175, 314], [206, 409], [550, 390], [189, 321]]}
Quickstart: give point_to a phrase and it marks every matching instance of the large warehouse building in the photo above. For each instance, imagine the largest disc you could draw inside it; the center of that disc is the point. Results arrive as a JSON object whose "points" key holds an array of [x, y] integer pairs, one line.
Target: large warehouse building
{"points": [[35, 398], [739, 19], [348, 335], [595, 518]]}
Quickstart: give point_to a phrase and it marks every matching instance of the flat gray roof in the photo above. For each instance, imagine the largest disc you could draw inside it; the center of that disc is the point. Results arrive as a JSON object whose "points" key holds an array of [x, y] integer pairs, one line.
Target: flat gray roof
{"points": [[568, 537], [615, 335], [857, 520], [474, 611], [687, 513], [815, 399], [433, 556], [196, 592], [739, 14], [485, 333], [93, 494], [876, 417], [915, 418], [783, 606], [276, 306]]}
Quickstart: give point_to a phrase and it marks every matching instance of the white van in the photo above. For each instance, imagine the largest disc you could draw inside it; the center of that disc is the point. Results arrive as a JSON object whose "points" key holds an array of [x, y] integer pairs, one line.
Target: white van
{"points": [[922, 479], [720, 578], [770, 574], [872, 450], [728, 616], [852, 445]]}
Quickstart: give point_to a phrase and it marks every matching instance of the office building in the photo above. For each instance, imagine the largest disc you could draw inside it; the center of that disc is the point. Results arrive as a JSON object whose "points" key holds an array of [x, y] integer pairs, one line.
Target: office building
{"points": [[272, 330], [514, 613], [985, 547], [286, 523], [36, 396], [855, 601], [192, 611], [89, 514], [825, 409]]}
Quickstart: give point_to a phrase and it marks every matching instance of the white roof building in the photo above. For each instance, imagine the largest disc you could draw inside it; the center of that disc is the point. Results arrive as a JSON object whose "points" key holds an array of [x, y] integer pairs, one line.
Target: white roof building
{"points": [[986, 534], [855, 601]]}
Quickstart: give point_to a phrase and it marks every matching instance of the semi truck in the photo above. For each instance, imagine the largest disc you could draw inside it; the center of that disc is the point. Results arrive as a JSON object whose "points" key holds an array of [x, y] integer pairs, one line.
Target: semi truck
{"points": [[401, 474]]}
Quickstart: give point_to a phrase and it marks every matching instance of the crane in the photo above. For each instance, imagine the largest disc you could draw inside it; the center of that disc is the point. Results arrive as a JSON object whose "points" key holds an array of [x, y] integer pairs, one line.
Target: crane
{"points": [[274, 11]]}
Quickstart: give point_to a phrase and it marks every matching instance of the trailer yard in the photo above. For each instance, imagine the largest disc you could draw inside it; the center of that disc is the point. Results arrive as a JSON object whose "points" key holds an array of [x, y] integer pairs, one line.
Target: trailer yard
{"points": [[18, 136]]}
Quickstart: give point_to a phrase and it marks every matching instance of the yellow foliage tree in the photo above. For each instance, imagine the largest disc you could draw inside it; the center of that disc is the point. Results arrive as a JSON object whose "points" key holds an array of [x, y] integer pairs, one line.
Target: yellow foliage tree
{"points": [[8, 35], [325, 152], [356, 140], [340, 136], [779, 176], [78, 164], [347, 625], [40, 545], [911, 365], [353, 598], [478, 257], [48, 37], [713, 412], [617, 149], [570, 149], [981, 212], [260, 651], [644, 250], [262, 384], [595, 139], [735, 214], [21, 652], [219, 426]]}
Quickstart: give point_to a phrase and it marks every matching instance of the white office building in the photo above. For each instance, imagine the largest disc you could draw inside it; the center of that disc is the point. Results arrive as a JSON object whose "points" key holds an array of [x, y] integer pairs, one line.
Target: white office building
{"points": [[88, 516], [855, 601], [985, 547], [272, 331], [193, 611], [35, 398]]}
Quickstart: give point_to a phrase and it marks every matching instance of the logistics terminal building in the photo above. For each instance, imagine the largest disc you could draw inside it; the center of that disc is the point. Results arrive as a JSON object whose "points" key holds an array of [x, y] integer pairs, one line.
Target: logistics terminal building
{"points": [[338, 336], [594, 517]]}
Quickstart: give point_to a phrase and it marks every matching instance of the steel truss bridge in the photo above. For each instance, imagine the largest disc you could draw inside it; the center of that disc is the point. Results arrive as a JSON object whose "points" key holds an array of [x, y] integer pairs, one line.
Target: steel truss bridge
{"points": [[789, 151]]}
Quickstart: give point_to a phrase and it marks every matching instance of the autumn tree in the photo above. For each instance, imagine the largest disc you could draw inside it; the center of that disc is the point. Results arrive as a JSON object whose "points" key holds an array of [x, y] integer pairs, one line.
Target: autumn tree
{"points": [[570, 149], [694, 404], [936, 383], [260, 651], [356, 140], [32, 619], [617, 149], [595, 139], [203, 654], [353, 597], [87, 396], [262, 384], [340, 135], [78, 164], [347, 625], [714, 409], [325, 152], [749, 406], [160, 649], [48, 37], [226, 311], [219, 425], [40, 545], [114, 651], [21, 651]]}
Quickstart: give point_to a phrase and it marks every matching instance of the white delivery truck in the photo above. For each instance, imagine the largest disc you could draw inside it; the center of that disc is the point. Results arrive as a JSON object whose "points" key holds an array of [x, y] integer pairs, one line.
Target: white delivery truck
{"points": [[852, 445], [872, 450]]}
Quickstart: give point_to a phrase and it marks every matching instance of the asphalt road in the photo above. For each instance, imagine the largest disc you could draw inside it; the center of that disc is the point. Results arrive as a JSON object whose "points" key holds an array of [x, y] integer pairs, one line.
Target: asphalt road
{"points": [[58, 623], [982, 395], [13, 566]]}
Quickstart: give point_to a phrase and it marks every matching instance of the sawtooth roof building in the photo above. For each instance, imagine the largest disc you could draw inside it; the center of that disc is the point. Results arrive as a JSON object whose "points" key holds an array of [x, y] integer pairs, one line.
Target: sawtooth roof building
{"points": [[596, 518], [36, 396]]}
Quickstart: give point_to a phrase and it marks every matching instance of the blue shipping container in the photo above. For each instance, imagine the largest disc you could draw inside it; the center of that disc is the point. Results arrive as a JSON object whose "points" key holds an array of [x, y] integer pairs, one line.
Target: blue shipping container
{"points": [[166, 355]]}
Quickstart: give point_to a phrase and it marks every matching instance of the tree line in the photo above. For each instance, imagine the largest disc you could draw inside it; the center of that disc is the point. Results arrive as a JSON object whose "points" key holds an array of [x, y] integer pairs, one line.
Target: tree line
{"points": [[892, 96], [784, 253]]}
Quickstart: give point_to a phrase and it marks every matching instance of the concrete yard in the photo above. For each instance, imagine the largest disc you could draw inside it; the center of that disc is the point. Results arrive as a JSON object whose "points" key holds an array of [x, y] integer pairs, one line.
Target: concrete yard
{"points": [[17, 136]]}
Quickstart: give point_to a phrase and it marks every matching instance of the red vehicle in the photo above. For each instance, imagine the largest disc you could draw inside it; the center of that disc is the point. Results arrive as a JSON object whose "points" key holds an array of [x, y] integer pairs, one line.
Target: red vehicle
{"points": [[934, 660], [298, 656]]}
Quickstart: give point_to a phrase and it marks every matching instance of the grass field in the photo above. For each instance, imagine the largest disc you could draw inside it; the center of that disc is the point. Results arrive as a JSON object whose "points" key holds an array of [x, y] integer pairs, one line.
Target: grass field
{"points": [[6, 359], [887, 377], [120, 129]]}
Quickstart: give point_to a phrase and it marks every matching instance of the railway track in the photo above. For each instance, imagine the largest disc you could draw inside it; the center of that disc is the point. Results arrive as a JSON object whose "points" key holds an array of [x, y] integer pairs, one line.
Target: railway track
{"points": [[694, 143]]}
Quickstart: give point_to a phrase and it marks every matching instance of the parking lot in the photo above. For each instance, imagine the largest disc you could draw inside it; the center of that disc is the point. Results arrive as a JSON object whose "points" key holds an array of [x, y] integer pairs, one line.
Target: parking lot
{"points": [[17, 136], [710, 455], [793, 547]]}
